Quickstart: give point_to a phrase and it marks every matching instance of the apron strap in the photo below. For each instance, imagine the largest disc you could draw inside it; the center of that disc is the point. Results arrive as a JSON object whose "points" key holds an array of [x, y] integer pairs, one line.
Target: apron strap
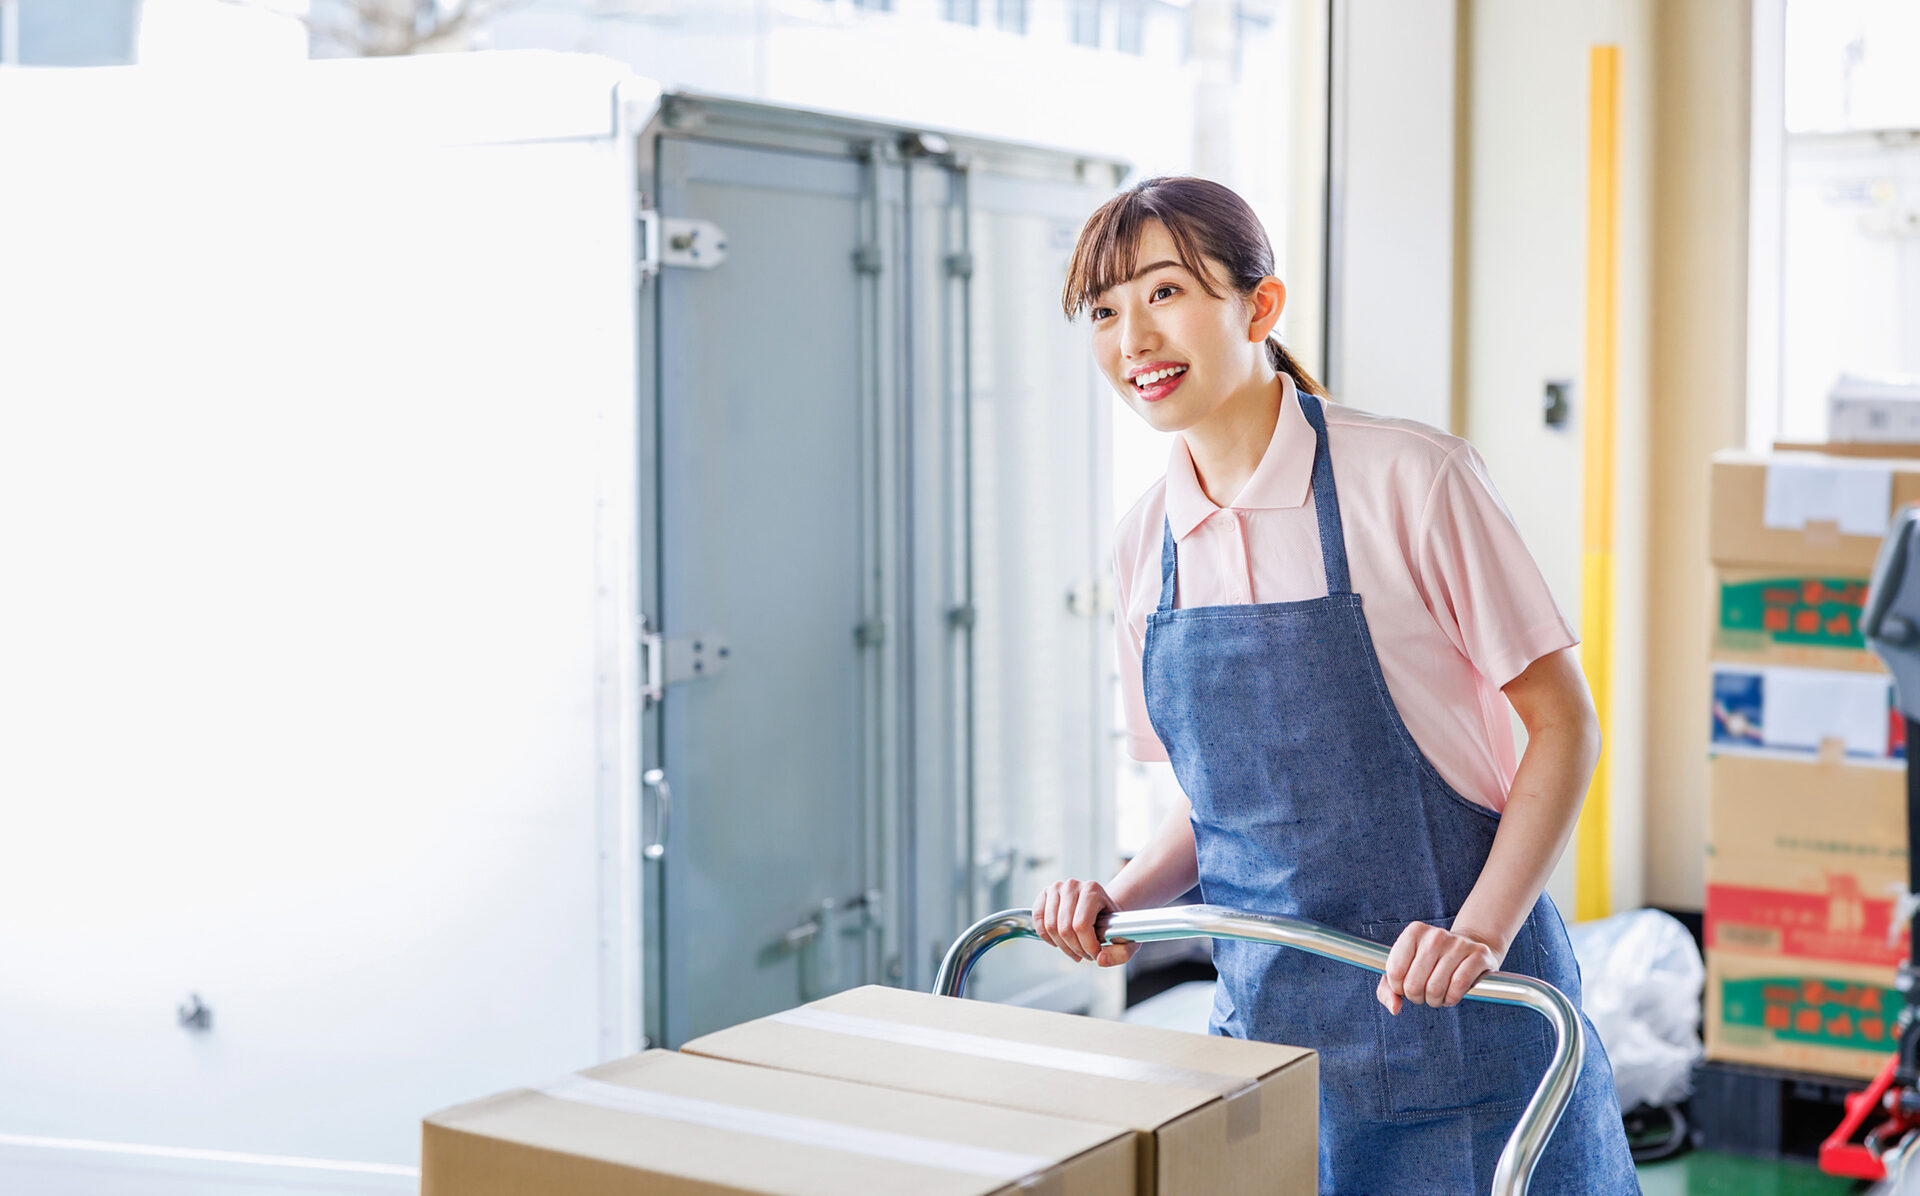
{"points": [[1326, 509], [1326, 503], [1167, 553]]}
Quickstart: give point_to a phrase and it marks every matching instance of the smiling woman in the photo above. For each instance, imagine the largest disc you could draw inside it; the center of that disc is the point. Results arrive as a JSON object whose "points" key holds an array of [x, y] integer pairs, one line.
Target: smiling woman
{"points": [[1176, 224], [1323, 615]]}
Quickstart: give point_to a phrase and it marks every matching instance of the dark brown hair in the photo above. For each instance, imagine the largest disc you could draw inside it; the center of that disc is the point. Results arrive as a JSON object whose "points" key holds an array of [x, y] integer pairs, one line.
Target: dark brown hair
{"points": [[1205, 220]]}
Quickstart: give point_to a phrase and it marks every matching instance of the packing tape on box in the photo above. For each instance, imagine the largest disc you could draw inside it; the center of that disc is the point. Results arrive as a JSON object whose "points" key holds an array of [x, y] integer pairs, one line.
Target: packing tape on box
{"points": [[1242, 1094], [1028, 1170]]}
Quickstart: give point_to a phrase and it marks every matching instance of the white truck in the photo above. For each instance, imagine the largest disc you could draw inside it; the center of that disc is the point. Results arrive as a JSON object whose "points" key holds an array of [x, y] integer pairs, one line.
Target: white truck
{"points": [[505, 566]]}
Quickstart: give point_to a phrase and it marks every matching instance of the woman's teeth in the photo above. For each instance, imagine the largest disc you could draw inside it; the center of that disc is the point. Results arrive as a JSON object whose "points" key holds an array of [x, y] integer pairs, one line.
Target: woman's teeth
{"points": [[1143, 381]]}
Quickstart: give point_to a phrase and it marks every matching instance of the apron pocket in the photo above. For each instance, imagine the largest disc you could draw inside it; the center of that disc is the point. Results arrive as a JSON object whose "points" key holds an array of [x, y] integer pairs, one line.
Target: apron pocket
{"points": [[1475, 1055]]}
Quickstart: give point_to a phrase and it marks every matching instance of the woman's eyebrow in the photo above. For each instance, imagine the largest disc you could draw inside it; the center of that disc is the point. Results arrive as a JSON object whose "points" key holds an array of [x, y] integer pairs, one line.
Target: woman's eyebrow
{"points": [[1143, 271]]}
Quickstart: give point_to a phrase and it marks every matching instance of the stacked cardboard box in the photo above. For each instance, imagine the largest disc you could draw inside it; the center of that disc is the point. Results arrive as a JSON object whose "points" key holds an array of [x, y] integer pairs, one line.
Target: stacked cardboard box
{"points": [[1210, 1114], [880, 1090], [664, 1122], [1806, 835]]}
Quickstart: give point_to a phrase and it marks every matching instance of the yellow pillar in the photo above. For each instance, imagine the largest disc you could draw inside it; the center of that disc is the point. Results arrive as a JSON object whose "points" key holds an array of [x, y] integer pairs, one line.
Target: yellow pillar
{"points": [[1593, 859]]}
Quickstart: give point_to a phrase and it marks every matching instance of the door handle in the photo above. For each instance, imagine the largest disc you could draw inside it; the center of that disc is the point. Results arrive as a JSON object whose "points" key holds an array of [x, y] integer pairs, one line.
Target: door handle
{"points": [[655, 781]]}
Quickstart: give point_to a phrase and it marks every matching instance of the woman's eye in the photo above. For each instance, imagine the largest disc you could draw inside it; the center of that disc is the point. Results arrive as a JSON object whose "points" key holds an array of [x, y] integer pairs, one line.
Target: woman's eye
{"points": [[1098, 312]]}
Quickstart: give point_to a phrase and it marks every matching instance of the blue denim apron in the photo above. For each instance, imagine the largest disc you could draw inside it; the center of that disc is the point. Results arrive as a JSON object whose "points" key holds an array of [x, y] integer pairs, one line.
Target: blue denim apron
{"points": [[1311, 798]]}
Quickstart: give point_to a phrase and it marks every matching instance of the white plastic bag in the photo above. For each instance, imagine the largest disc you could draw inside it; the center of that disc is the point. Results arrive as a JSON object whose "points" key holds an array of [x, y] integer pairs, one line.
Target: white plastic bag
{"points": [[1640, 979]]}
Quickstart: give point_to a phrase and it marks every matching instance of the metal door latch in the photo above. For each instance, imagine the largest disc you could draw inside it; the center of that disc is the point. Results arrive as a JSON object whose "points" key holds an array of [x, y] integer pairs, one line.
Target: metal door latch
{"points": [[678, 241], [857, 912], [822, 968], [995, 871]]}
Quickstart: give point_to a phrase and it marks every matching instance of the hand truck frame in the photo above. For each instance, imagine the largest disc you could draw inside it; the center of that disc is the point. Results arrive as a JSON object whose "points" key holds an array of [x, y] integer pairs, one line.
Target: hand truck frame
{"points": [[1537, 1120]]}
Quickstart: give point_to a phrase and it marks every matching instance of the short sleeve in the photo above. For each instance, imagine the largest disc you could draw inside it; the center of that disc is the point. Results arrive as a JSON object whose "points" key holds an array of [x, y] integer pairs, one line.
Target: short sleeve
{"points": [[1129, 648], [1478, 578]]}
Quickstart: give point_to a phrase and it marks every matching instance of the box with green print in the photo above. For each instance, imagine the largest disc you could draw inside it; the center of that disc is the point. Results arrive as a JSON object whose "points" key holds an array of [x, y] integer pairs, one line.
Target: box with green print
{"points": [[1805, 918], [1803, 1015], [1780, 616]]}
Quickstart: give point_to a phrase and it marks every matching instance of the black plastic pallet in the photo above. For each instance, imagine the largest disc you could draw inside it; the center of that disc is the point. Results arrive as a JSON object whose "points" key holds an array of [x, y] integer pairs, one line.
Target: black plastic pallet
{"points": [[1765, 1112]]}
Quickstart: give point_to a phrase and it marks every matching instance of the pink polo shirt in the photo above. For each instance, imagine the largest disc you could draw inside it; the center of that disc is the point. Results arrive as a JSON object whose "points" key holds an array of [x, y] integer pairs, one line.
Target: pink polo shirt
{"points": [[1456, 606]]}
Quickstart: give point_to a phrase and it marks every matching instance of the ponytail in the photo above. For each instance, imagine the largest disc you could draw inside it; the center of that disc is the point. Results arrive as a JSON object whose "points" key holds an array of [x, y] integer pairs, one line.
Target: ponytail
{"points": [[1284, 363]]}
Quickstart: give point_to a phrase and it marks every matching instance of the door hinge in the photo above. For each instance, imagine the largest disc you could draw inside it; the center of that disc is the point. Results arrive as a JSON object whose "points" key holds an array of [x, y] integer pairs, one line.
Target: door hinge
{"points": [[866, 259], [869, 634], [1090, 596], [670, 660], [960, 265], [678, 241]]}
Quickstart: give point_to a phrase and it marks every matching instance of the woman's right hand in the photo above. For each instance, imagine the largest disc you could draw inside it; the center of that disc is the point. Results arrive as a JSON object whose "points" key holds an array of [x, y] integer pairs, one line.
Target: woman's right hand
{"points": [[1063, 915]]}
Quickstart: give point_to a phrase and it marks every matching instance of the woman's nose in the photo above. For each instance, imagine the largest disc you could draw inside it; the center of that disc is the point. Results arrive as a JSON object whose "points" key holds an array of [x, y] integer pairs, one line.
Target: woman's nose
{"points": [[1137, 340]]}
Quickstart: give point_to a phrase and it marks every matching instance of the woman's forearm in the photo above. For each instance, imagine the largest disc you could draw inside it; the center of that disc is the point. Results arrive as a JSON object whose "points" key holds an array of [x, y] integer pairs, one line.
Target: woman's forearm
{"points": [[1165, 867], [1548, 787]]}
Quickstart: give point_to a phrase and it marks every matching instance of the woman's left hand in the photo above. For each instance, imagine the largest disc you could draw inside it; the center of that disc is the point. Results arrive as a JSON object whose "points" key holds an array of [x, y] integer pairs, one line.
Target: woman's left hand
{"points": [[1432, 966]]}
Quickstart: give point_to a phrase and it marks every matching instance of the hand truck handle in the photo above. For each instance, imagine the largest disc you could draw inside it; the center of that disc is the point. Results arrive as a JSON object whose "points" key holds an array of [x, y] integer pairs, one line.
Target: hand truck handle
{"points": [[1537, 1120]]}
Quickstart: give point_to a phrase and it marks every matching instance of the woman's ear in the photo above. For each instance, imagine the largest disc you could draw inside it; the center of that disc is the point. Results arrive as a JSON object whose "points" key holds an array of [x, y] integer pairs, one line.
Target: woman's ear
{"points": [[1268, 300]]}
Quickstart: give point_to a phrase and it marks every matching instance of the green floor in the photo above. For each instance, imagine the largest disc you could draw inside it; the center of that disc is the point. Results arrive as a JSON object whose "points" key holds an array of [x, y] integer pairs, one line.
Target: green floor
{"points": [[1703, 1171]]}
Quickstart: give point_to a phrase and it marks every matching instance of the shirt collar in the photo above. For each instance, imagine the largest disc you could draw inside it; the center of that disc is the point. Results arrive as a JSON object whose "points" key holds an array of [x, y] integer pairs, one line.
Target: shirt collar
{"points": [[1283, 478]]}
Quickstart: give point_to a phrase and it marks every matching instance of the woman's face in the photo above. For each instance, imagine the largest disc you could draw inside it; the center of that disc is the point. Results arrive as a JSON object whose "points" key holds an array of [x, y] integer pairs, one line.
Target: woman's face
{"points": [[1163, 320]]}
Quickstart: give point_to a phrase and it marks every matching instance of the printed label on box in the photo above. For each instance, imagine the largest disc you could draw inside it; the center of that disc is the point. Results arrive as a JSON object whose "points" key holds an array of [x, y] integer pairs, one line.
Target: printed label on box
{"points": [[1842, 923], [1739, 706], [1826, 1013], [1815, 612], [1791, 712]]}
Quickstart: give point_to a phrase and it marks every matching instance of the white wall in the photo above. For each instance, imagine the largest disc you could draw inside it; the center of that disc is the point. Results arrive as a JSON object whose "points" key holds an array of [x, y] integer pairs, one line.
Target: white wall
{"points": [[1392, 235], [1526, 193]]}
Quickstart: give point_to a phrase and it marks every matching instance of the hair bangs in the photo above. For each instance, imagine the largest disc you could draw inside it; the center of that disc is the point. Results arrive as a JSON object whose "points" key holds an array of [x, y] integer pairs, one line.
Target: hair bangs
{"points": [[1104, 254], [1109, 248]]}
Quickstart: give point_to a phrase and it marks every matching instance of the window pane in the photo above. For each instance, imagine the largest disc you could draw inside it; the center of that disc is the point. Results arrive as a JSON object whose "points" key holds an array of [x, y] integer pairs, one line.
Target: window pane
{"points": [[1132, 27], [76, 32], [963, 12], [1086, 23], [1011, 15], [1850, 65], [1848, 254]]}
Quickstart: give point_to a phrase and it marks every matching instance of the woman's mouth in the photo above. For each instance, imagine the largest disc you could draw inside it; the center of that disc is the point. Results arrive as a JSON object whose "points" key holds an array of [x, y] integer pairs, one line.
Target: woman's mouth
{"points": [[1158, 384]]}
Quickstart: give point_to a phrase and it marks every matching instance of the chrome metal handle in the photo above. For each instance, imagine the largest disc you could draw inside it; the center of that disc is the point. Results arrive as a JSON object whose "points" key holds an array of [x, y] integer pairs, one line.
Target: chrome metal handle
{"points": [[656, 780], [1537, 1120]]}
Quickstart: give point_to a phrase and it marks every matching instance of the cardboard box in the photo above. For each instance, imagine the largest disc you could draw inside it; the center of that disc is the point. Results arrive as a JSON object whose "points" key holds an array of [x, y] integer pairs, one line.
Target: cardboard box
{"points": [[1816, 514], [666, 1123], [1806, 1015], [1212, 1114], [1807, 714], [1778, 616], [1807, 860], [1851, 448]]}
